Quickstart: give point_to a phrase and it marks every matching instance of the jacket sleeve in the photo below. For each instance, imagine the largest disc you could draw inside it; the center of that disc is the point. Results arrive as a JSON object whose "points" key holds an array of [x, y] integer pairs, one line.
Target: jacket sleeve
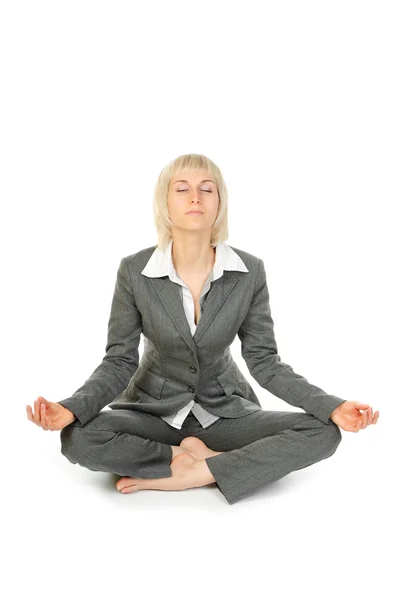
{"points": [[260, 352], [121, 359]]}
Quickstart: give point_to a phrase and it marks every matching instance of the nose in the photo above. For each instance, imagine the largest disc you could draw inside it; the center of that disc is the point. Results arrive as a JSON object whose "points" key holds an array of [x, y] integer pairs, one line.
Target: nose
{"points": [[194, 197]]}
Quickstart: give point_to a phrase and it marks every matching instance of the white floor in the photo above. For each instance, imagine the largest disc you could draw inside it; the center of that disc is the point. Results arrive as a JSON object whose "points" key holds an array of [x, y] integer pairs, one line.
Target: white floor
{"points": [[327, 531]]}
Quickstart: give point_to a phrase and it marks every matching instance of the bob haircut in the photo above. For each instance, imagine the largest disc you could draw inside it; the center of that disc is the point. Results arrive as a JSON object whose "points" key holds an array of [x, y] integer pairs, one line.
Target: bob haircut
{"points": [[188, 162]]}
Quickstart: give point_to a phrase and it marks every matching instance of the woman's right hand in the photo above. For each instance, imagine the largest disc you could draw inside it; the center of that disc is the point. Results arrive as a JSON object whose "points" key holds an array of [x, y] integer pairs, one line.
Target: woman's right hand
{"points": [[49, 415]]}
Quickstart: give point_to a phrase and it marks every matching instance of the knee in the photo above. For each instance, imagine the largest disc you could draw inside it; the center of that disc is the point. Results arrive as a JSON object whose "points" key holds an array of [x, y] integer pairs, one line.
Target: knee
{"points": [[333, 437], [71, 442]]}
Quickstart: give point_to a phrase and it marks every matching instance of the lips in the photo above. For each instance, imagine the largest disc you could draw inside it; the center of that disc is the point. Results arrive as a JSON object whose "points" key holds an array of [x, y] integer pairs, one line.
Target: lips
{"points": [[194, 212]]}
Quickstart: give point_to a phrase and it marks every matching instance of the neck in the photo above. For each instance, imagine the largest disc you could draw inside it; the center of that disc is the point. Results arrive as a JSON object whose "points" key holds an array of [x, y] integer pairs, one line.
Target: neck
{"points": [[192, 256]]}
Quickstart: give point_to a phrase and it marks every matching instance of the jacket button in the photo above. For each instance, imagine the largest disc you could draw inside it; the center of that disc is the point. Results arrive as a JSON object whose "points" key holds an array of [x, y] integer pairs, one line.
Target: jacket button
{"points": [[191, 388], [193, 369]]}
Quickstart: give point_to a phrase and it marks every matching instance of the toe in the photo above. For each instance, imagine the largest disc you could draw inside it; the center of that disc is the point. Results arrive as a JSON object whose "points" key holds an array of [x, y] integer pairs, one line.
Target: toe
{"points": [[125, 481]]}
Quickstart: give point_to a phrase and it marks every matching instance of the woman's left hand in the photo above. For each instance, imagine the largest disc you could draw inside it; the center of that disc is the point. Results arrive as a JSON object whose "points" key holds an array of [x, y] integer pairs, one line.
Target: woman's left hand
{"points": [[348, 416]]}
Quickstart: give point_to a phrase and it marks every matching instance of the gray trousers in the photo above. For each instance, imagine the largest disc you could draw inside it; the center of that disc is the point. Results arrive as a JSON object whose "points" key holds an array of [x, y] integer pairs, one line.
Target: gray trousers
{"points": [[259, 448]]}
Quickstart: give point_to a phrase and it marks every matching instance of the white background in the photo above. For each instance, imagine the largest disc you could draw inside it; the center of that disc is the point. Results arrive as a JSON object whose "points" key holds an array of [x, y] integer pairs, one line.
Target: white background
{"points": [[297, 104]]}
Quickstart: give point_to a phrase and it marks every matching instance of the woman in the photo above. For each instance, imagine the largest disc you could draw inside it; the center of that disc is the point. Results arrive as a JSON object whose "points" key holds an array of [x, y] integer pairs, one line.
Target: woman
{"points": [[185, 416]]}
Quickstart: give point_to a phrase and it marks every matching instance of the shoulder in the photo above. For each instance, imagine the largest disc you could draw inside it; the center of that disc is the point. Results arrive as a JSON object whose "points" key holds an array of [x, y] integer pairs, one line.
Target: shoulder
{"points": [[139, 258], [250, 260]]}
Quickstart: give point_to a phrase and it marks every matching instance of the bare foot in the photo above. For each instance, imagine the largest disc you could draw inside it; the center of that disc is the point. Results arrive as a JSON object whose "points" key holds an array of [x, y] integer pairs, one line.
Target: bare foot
{"points": [[186, 472], [197, 448]]}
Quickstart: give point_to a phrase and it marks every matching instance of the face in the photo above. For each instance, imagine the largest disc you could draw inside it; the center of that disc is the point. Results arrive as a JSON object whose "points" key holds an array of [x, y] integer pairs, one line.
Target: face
{"points": [[193, 191]]}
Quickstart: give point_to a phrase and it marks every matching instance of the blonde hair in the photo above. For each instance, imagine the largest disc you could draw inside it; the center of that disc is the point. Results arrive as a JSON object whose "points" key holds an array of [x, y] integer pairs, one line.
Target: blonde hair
{"points": [[185, 162]]}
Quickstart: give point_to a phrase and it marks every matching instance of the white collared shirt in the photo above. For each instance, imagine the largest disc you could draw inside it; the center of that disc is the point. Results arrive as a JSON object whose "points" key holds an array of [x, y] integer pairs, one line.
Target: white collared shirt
{"points": [[160, 264]]}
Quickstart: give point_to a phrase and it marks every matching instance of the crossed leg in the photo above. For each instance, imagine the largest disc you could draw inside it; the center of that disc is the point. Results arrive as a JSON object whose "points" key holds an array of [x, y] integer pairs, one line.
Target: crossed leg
{"points": [[238, 454], [246, 453]]}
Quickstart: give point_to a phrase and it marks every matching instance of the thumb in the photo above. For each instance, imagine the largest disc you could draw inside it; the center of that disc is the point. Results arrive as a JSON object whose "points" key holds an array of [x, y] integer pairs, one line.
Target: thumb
{"points": [[360, 405]]}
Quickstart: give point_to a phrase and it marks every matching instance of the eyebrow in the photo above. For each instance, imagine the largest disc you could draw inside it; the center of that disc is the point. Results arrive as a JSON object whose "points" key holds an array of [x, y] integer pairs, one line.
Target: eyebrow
{"points": [[185, 181]]}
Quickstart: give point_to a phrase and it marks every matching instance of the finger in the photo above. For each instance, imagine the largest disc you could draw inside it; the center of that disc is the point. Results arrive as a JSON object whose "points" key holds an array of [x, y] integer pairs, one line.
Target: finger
{"points": [[43, 416], [375, 418], [49, 423], [29, 412], [358, 426], [47, 419], [370, 416], [36, 415], [365, 418], [360, 405]]}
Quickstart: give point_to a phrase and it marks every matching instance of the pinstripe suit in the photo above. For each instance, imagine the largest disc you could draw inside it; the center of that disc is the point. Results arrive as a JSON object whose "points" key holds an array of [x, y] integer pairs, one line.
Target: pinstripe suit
{"points": [[179, 369], [160, 264]]}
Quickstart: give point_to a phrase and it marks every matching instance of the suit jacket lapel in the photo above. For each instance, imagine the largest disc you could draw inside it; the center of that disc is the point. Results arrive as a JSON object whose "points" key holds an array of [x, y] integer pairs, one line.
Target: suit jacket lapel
{"points": [[169, 295]]}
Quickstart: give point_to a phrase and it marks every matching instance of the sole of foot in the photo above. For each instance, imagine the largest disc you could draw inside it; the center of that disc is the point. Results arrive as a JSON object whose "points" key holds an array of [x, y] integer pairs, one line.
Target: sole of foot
{"points": [[183, 476]]}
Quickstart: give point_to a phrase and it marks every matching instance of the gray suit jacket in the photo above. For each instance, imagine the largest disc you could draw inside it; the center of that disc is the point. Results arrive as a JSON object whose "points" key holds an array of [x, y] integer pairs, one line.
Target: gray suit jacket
{"points": [[176, 366]]}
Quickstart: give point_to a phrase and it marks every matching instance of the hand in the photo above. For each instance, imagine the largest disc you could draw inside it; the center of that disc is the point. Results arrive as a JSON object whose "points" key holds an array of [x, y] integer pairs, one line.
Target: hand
{"points": [[349, 417], [50, 415]]}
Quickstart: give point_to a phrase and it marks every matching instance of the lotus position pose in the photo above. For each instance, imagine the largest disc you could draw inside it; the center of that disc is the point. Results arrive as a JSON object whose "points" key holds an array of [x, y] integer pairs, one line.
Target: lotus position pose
{"points": [[184, 415]]}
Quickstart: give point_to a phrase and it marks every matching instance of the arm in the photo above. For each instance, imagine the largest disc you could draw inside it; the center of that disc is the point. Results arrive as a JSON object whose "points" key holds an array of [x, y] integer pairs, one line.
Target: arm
{"points": [[259, 349], [121, 359]]}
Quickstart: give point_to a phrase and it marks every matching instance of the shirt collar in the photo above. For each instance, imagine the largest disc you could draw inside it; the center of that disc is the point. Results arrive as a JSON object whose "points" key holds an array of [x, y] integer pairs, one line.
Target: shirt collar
{"points": [[161, 262]]}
